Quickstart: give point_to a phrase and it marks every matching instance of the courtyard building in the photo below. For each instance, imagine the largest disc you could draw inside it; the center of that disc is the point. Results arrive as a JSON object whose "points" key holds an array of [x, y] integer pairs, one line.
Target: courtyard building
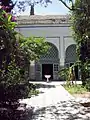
{"points": [[56, 29]]}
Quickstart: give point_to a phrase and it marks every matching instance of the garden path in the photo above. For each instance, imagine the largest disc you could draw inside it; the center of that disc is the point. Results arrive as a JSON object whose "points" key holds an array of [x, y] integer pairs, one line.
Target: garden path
{"points": [[55, 103]]}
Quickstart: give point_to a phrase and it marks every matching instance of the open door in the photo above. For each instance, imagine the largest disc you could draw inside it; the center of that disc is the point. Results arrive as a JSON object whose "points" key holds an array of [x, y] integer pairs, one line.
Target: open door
{"points": [[47, 69]]}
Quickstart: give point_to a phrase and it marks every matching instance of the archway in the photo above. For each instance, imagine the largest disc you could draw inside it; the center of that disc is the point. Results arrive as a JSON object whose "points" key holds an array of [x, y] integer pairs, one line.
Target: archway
{"points": [[70, 54], [71, 57], [49, 63]]}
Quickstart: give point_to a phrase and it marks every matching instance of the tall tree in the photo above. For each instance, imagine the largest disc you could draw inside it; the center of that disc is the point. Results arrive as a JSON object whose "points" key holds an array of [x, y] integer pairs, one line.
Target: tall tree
{"points": [[81, 30], [80, 10]]}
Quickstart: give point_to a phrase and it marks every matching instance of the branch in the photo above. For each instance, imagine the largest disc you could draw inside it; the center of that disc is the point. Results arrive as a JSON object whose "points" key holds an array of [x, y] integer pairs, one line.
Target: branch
{"points": [[70, 8]]}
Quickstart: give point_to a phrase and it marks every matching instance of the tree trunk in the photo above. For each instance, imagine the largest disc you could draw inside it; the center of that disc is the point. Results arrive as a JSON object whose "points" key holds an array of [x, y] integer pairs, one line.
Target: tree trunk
{"points": [[83, 74]]}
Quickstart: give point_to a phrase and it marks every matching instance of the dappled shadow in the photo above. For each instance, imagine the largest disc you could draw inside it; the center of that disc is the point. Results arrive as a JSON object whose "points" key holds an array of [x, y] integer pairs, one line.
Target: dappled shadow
{"points": [[85, 104], [64, 110], [44, 86], [18, 114], [10, 108]]}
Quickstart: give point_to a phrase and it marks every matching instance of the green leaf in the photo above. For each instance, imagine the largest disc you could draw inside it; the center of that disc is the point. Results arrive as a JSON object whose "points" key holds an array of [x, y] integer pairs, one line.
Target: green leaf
{"points": [[9, 17]]}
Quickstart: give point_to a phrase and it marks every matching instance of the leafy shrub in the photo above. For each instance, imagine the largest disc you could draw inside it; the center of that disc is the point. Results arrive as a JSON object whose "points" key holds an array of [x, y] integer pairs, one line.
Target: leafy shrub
{"points": [[13, 84], [88, 84], [63, 73], [32, 90], [12, 64], [10, 95], [75, 89]]}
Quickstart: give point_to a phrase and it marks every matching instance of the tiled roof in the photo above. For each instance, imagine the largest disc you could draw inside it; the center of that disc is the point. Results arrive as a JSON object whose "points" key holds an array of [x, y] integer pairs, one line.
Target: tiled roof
{"points": [[47, 19]]}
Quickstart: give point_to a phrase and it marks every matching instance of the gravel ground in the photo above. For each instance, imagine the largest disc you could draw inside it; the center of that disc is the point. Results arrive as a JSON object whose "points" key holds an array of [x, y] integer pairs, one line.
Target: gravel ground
{"points": [[55, 104]]}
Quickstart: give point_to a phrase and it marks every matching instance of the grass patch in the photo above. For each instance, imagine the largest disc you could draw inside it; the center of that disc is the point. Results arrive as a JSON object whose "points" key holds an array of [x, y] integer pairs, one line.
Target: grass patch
{"points": [[75, 89], [33, 92]]}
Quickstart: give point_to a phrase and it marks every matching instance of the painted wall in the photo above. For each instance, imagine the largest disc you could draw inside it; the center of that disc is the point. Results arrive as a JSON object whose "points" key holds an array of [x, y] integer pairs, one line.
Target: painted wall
{"points": [[58, 34]]}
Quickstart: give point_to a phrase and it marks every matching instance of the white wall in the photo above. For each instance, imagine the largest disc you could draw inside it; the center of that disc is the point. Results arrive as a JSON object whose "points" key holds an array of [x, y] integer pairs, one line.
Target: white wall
{"points": [[59, 35], [45, 30]]}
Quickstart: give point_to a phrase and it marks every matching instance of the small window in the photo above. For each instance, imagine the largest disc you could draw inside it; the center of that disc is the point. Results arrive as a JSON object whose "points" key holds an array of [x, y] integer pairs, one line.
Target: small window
{"points": [[56, 67]]}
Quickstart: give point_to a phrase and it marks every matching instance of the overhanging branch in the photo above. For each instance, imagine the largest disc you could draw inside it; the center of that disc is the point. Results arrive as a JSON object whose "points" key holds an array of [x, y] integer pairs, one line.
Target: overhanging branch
{"points": [[65, 4]]}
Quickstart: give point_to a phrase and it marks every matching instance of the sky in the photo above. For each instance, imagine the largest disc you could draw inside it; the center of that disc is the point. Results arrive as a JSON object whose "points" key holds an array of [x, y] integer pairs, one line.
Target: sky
{"points": [[54, 8]]}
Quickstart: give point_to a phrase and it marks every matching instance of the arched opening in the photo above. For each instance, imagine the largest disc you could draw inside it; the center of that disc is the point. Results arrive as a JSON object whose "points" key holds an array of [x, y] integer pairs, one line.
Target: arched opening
{"points": [[49, 63], [70, 54], [71, 57], [51, 54]]}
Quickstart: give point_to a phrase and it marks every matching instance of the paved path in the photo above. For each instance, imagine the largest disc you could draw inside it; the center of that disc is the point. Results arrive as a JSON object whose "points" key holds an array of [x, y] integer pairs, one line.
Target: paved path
{"points": [[56, 104], [54, 82]]}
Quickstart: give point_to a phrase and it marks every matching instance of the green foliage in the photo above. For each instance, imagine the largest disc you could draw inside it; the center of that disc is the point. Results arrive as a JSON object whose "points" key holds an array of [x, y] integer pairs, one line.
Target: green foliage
{"points": [[75, 89], [12, 65], [64, 73], [14, 61], [14, 75], [88, 84], [7, 44], [6, 20], [80, 20], [33, 92], [33, 47], [81, 29]]}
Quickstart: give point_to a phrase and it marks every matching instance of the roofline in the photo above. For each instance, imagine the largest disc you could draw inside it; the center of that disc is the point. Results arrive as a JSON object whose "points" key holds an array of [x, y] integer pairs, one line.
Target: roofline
{"points": [[47, 19]]}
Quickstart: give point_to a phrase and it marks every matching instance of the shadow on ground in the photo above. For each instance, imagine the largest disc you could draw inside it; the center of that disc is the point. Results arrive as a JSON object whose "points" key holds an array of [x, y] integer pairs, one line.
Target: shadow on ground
{"points": [[43, 87], [65, 110]]}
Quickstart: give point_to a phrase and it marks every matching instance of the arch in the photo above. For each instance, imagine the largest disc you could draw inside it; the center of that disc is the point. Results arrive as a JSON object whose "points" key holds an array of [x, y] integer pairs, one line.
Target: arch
{"points": [[48, 63], [70, 54], [52, 53]]}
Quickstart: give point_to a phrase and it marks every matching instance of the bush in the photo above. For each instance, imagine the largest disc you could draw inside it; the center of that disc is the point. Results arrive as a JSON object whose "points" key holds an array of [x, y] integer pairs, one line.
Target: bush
{"points": [[13, 85], [63, 73], [88, 84], [10, 95], [75, 89]]}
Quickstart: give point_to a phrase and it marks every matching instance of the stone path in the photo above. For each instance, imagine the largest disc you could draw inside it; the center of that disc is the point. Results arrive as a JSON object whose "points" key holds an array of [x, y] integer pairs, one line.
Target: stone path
{"points": [[64, 110], [56, 103]]}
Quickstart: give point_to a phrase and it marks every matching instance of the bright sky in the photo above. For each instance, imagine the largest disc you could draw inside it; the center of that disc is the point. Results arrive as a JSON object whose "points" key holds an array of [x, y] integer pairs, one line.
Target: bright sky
{"points": [[56, 8]]}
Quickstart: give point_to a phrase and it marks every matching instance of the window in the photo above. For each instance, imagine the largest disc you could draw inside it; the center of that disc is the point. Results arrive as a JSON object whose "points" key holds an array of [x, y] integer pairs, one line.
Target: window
{"points": [[56, 67]]}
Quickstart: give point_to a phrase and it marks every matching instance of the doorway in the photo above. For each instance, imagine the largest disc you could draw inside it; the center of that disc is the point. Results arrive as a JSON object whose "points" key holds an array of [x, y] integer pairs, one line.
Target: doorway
{"points": [[47, 69]]}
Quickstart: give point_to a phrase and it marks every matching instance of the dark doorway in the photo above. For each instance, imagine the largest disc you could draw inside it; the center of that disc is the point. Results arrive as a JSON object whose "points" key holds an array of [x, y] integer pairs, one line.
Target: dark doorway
{"points": [[76, 72], [47, 69]]}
